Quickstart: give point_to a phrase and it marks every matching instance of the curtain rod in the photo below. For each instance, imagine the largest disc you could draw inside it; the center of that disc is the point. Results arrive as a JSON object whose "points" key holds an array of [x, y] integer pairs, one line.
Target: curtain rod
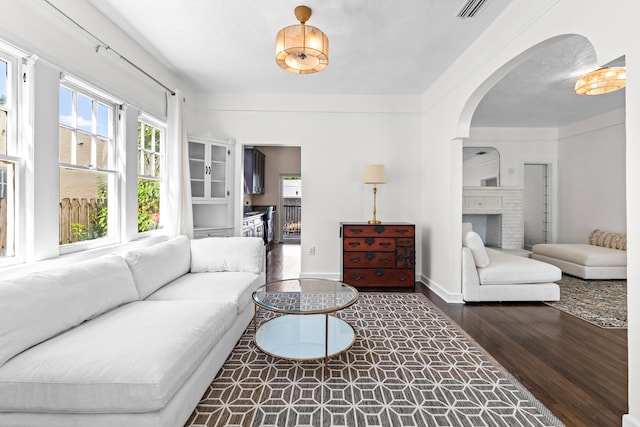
{"points": [[106, 47]]}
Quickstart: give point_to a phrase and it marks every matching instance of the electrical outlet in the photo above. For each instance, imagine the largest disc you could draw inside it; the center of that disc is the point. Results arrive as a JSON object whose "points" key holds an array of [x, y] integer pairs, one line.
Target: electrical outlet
{"points": [[312, 250]]}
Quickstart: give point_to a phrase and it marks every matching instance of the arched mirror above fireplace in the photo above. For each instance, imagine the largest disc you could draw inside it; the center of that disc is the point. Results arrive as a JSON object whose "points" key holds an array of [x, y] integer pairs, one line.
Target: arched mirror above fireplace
{"points": [[480, 167]]}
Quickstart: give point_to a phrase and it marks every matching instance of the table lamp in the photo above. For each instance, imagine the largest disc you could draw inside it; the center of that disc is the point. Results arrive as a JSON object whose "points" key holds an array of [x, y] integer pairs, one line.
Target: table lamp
{"points": [[374, 174]]}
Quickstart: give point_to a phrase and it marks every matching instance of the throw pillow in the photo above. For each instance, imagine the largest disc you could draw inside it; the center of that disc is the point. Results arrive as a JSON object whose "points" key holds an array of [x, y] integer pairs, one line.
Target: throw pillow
{"points": [[244, 254], [156, 265], [601, 238], [473, 241], [615, 242], [593, 237]]}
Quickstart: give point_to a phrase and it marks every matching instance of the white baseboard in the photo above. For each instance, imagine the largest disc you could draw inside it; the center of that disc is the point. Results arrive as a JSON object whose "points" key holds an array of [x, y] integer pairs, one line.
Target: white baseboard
{"points": [[433, 286], [630, 421], [441, 292]]}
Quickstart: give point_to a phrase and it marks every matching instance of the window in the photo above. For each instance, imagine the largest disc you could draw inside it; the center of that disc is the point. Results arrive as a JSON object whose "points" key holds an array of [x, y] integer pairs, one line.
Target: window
{"points": [[88, 175], [9, 160], [151, 137]]}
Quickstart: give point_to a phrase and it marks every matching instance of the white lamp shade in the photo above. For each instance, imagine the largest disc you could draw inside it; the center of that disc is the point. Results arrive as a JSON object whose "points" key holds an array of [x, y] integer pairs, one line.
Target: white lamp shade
{"points": [[375, 174]]}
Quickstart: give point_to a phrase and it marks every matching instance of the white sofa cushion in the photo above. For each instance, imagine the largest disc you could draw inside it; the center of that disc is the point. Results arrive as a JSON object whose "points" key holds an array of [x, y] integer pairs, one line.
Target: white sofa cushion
{"points": [[506, 269], [36, 307], [132, 359], [583, 254], [244, 254], [157, 265], [474, 242], [230, 286]]}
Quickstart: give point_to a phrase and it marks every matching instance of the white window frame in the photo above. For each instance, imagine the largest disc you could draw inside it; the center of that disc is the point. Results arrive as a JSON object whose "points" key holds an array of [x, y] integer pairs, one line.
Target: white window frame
{"points": [[114, 175], [146, 119], [14, 155]]}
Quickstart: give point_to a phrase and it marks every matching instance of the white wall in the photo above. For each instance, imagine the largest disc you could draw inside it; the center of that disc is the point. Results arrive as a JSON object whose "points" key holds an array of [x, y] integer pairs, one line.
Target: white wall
{"points": [[592, 190], [447, 111], [338, 136]]}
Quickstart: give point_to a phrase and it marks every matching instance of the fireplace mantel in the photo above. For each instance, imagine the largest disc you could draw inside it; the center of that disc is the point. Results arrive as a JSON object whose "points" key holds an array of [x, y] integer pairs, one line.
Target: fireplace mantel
{"points": [[505, 201]]}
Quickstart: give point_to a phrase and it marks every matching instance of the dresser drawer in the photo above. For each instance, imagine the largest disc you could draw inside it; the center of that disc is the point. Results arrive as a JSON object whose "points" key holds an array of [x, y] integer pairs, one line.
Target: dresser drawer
{"points": [[370, 260], [405, 257], [379, 230], [369, 244], [380, 277]]}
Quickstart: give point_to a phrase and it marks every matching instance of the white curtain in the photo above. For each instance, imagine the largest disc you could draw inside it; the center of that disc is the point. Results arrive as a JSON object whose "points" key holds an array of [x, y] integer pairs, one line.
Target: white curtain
{"points": [[177, 209]]}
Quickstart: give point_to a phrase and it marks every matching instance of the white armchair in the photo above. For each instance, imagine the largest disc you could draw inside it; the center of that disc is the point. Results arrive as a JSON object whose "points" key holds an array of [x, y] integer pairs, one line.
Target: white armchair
{"points": [[491, 275]]}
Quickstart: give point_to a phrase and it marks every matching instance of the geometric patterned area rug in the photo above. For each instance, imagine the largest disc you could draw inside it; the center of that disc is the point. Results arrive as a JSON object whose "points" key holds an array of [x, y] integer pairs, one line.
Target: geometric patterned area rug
{"points": [[409, 366], [601, 302]]}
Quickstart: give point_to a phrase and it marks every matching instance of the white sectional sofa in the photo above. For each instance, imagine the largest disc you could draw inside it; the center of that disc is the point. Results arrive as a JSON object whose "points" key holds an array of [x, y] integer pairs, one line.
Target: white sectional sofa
{"points": [[124, 340], [604, 257], [491, 275]]}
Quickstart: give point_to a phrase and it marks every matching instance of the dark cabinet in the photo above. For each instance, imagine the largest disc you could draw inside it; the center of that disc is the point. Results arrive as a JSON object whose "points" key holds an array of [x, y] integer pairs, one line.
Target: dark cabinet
{"points": [[378, 255], [254, 161]]}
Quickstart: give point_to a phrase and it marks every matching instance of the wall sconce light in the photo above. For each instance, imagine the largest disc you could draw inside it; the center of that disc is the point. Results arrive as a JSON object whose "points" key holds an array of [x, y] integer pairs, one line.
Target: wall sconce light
{"points": [[374, 174]]}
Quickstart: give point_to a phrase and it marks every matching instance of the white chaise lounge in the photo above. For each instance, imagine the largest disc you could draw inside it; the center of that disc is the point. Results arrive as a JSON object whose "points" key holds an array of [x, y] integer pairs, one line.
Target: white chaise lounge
{"points": [[491, 275], [604, 257]]}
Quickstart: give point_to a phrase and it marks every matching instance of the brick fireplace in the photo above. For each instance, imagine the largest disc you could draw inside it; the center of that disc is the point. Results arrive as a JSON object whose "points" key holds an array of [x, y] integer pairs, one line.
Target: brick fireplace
{"points": [[496, 214]]}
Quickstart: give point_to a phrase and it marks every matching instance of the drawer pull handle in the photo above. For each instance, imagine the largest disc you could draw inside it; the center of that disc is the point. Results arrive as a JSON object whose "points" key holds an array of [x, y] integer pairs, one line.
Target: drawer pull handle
{"points": [[356, 276], [354, 260], [353, 244], [385, 244], [386, 259], [369, 241], [370, 255], [379, 272], [403, 277], [402, 230], [356, 230]]}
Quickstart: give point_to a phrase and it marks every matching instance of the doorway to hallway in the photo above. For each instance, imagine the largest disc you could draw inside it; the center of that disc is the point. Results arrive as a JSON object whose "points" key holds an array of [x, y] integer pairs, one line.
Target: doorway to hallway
{"points": [[536, 204], [291, 208]]}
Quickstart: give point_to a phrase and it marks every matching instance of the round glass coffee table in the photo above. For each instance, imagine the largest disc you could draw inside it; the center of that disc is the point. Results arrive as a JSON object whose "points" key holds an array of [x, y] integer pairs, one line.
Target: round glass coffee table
{"points": [[307, 328]]}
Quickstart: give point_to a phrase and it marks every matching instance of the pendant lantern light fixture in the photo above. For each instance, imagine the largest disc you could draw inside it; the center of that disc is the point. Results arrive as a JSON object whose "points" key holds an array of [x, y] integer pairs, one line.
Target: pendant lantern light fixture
{"points": [[602, 80], [302, 49]]}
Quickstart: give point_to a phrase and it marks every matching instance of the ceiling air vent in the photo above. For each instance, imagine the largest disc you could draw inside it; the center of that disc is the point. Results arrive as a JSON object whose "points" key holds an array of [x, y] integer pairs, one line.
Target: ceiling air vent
{"points": [[471, 8]]}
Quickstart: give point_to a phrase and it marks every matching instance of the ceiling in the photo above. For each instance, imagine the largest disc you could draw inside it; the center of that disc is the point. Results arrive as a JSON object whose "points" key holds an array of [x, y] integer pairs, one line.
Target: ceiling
{"points": [[540, 91], [375, 48]]}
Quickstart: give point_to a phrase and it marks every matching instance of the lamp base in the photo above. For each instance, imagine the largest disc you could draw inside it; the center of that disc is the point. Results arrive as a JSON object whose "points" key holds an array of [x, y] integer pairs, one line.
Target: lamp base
{"points": [[374, 221]]}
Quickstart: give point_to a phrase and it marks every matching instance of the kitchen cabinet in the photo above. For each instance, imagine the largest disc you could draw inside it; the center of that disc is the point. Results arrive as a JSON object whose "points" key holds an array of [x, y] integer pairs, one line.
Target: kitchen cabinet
{"points": [[378, 255], [254, 163], [211, 174], [208, 169]]}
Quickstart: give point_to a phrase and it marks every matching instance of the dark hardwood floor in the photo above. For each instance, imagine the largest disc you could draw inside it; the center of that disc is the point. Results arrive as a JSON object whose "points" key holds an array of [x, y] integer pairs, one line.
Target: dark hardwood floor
{"points": [[574, 368]]}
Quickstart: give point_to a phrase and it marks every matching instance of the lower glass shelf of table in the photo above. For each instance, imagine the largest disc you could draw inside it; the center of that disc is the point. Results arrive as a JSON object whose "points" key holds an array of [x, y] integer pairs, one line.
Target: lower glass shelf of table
{"points": [[304, 337]]}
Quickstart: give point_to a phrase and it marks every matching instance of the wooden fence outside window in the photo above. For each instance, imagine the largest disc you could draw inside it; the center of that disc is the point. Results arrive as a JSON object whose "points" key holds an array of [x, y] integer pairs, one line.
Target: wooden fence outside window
{"points": [[72, 211], [76, 211]]}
